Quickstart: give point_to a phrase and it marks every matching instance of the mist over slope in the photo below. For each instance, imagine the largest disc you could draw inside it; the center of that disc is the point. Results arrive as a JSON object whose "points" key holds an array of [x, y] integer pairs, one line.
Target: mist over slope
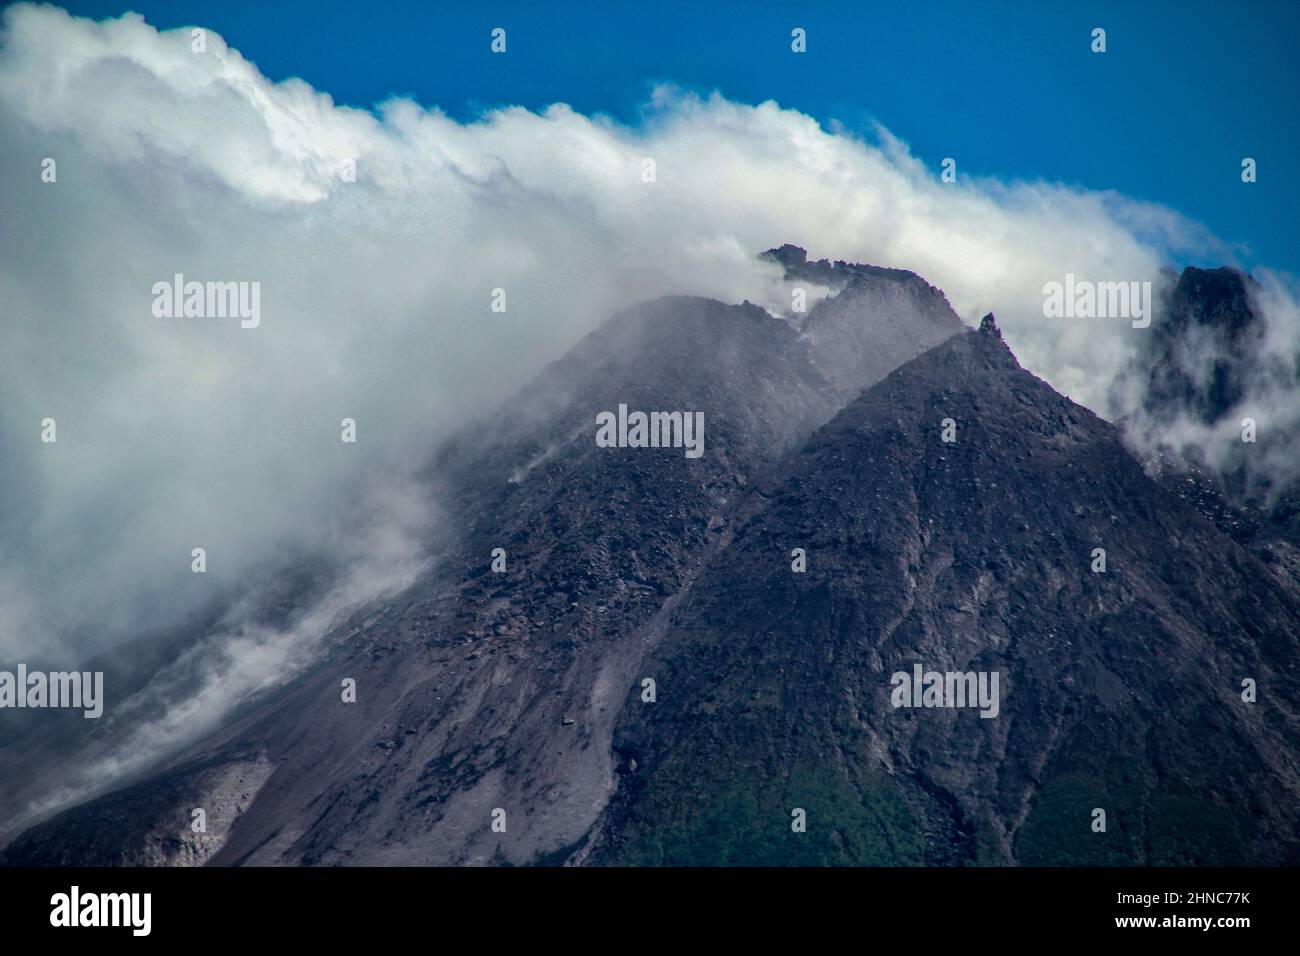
{"points": [[383, 241], [470, 672], [1213, 407], [522, 687], [378, 238]]}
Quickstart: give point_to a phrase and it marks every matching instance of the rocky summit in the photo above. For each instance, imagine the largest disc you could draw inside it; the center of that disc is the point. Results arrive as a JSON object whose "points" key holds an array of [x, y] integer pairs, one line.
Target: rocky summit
{"points": [[1121, 683]]}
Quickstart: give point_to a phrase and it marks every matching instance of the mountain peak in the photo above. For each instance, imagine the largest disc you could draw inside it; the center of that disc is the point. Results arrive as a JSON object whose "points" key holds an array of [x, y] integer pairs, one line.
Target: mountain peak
{"points": [[989, 326], [1227, 278], [1203, 353], [788, 255], [951, 517], [839, 273], [1219, 298]]}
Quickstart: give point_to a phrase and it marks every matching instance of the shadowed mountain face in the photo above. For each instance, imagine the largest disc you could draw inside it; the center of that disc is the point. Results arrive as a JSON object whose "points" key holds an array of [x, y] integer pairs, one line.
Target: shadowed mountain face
{"points": [[1120, 690], [653, 677], [1202, 354], [1209, 368], [481, 689]]}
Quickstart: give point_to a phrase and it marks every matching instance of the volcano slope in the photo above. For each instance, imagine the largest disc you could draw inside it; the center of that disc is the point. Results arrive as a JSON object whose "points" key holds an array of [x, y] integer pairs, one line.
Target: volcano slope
{"points": [[482, 689], [1121, 690]]}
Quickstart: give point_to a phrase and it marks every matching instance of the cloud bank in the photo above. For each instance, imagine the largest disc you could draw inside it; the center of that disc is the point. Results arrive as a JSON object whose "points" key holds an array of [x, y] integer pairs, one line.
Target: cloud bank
{"points": [[376, 294]]}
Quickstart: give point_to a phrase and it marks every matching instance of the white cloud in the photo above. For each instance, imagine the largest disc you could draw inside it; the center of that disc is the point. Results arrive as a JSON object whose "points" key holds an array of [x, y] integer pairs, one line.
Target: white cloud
{"points": [[179, 433]]}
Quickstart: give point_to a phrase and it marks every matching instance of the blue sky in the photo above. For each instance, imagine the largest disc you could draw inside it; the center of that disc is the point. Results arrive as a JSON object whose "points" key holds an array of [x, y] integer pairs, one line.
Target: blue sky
{"points": [[1185, 90]]}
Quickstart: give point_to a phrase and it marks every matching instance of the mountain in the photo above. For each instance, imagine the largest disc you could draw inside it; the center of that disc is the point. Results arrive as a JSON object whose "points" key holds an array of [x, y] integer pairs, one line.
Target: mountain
{"points": [[1120, 690], [656, 676], [479, 689]]}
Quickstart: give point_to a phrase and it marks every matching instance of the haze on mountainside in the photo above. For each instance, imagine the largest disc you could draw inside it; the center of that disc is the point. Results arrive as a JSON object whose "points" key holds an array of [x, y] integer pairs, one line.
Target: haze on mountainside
{"points": [[517, 681], [523, 689]]}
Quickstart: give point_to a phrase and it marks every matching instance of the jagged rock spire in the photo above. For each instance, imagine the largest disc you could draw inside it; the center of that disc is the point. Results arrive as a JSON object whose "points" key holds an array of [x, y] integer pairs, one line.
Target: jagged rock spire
{"points": [[989, 326]]}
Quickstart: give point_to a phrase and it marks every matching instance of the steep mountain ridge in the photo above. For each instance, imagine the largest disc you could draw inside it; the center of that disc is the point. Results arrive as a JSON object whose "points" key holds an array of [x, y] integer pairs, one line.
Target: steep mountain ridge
{"points": [[521, 690], [1120, 690]]}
